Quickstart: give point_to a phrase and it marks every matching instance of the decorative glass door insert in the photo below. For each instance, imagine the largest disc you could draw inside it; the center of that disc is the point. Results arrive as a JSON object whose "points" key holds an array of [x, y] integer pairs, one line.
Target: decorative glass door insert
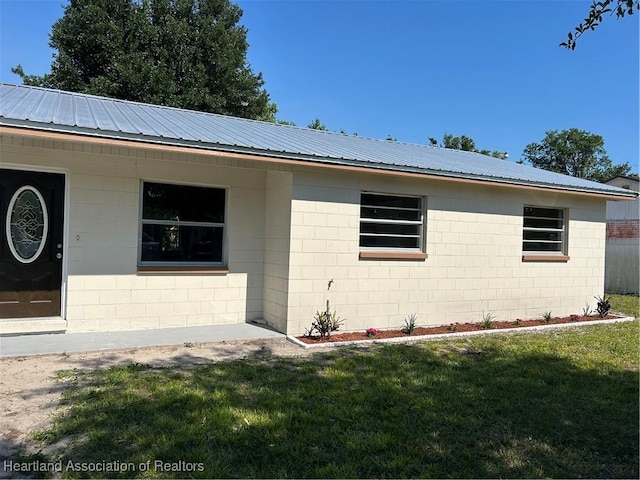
{"points": [[27, 224]]}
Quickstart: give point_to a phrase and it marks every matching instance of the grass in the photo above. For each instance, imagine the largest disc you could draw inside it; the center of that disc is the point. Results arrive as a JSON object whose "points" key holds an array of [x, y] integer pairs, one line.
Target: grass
{"points": [[559, 404], [487, 319], [627, 304]]}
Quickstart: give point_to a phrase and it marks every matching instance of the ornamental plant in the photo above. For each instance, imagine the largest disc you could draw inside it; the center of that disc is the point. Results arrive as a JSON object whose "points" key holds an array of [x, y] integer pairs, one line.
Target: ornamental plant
{"points": [[372, 332], [325, 322], [603, 306], [410, 324], [487, 320]]}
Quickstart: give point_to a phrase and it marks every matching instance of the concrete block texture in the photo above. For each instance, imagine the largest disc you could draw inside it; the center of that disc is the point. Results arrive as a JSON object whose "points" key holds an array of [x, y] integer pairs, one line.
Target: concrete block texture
{"points": [[292, 243]]}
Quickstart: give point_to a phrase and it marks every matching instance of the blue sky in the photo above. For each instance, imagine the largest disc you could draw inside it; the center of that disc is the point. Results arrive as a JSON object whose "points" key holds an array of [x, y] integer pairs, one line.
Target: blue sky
{"points": [[489, 69]]}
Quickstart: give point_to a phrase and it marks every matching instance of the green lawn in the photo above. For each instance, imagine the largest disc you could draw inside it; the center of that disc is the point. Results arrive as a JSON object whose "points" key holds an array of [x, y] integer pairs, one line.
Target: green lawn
{"points": [[627, 304], [558, 404]]}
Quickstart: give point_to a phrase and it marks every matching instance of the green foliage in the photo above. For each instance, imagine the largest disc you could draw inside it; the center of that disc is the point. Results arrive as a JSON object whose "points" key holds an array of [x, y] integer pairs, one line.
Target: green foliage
{"points": [[603, 306], [452, 328], [620, 8], [625, 304], [586, 310], [574, 152], [546, 316], [562, 405], [466, 144], [410, 324], [179, 53], [325, 322], [316, 124], [462, 142], [487, 320]]}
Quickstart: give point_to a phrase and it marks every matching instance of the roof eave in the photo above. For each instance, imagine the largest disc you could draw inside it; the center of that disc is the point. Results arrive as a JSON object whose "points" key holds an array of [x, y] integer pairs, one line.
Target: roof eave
{"points": [[307, 158]]}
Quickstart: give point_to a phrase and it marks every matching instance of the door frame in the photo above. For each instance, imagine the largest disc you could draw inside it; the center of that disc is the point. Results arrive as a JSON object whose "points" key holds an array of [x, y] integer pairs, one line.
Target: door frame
{"points": [[65, 223]]}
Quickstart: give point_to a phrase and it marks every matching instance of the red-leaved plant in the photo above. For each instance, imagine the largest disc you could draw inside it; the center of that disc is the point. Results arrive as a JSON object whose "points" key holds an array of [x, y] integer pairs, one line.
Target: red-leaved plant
{"points": [[372, 332]]}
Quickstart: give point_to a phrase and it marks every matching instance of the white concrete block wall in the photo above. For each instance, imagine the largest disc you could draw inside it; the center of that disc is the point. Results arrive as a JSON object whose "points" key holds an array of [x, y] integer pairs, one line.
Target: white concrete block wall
{"points": [[276, 248], [104, 291], [474, 243], [292, 230]]}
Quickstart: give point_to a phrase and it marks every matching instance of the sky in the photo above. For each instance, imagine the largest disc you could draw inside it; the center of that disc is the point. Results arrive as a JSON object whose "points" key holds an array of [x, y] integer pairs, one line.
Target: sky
{"points": [[488, 69]]}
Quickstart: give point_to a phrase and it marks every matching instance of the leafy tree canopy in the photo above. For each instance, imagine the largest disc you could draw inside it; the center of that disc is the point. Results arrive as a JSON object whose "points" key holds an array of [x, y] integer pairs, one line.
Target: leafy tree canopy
{"points": [[466, 144], [180, 53], [316, 124], [619, 8], [574, 152]]}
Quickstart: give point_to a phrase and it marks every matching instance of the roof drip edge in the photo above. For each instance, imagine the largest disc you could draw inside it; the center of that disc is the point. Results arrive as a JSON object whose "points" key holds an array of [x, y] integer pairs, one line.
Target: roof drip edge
{"points": [[325, 160]]}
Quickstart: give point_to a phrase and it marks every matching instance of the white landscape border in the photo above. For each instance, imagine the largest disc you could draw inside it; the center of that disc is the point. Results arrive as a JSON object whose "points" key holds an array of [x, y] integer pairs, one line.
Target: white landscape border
{"points": [[440, 336]]}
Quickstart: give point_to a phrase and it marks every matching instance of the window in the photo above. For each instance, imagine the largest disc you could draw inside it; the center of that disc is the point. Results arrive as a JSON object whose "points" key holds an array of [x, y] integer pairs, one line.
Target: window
{"points": [[182, 225], [390, 222], [544, 231]]}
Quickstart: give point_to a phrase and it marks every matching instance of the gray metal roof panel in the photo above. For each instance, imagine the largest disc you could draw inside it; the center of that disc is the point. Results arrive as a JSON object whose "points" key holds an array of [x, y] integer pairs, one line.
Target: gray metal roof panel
{"points": [[35, 107]]}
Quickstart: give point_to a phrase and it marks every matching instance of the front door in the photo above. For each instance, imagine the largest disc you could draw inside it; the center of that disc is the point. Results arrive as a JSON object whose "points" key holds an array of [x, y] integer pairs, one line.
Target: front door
{"points": [[31, 232]]}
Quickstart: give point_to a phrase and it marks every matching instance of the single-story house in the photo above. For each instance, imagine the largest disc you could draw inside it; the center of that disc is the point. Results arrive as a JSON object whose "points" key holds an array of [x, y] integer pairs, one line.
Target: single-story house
{"points": [[120, 216], [622, 247]]}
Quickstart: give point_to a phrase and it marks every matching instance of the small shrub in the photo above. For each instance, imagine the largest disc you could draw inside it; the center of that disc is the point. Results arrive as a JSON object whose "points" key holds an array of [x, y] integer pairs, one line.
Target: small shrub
{"points": [[603, 306], [546, 316], [372, 332], [325, 322], [586, 310], [452, 328], [487, 319], [518, 322], [410, 324]]}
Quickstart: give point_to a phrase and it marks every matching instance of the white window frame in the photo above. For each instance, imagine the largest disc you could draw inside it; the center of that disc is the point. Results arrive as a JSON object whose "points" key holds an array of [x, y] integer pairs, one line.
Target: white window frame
{"points": [[178, 223], [561, 231], [420, 248]]}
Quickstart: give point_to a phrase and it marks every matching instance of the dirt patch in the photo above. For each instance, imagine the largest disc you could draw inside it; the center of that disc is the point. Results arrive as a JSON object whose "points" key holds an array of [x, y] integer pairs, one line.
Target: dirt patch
{"points": [[452, 328], [30, 387]]}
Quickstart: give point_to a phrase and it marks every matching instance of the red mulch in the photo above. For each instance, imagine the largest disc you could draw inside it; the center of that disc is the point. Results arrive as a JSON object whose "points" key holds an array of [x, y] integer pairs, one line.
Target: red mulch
{"points": [[453, 328]]}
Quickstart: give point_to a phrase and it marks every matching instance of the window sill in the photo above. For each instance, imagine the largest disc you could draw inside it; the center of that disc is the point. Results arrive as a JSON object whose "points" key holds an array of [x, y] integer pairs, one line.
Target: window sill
{"points": [[420, 256], [182, 270], [545, 258]]}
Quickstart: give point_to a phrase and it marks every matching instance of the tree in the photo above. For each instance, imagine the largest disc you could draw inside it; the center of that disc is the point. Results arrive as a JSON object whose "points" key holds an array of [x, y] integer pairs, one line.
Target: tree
{"points": [[466, 144], [574, 152], [620, 8], [316, 124], [459, 143], [180, 53]]}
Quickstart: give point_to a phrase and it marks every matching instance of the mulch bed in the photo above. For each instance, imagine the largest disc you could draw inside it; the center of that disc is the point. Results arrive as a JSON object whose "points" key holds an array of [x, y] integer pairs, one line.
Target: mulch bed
{"points": [[452, 328]]}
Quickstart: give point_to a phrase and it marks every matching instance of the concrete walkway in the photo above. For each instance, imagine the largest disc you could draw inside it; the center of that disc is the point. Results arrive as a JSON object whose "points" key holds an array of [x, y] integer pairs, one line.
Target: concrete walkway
{"points": [[41, 344]]}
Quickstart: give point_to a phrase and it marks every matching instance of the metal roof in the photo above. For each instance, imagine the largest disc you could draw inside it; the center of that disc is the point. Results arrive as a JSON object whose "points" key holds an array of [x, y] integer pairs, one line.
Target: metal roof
{"points": [[65, 112]]}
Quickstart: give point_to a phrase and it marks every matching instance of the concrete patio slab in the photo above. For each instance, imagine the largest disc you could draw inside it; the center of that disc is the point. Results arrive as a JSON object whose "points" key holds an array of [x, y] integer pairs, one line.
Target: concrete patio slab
{"points": [[42, 344]]}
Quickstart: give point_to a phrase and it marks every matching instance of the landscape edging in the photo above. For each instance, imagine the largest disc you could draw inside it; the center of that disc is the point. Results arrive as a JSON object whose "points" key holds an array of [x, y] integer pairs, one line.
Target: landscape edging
{"points": [[440, 336]]}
